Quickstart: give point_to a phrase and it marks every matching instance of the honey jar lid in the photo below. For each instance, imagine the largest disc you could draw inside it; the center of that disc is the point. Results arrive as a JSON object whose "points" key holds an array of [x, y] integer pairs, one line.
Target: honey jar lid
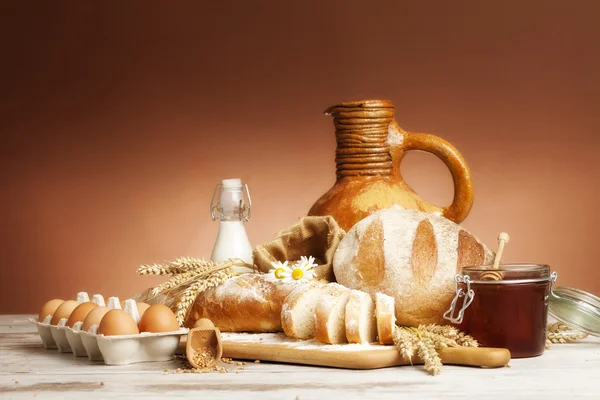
{"points": [[576, 308]]}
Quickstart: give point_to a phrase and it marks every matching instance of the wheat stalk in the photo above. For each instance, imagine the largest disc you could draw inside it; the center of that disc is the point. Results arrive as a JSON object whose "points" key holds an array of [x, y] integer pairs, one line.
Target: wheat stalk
{"points": [[184, 264], [187, 299], [566, 337], [189, 295], [426, 340], [405, 342], [190, 277], [426, 350], [203, 269], [464, 340], [558, 332], [179, 266], [439, 340], [158, 269], [173, 282], [443, 330]]}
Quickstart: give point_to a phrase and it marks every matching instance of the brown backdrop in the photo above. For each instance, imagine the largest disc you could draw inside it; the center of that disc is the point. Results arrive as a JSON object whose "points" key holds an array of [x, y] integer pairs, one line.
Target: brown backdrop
{"points": [[118, 119]]}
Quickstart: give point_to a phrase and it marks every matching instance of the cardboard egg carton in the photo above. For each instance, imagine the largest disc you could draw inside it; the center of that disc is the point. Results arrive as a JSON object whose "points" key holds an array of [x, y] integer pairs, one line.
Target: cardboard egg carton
{"points": [[113, 350], [50, 334]]}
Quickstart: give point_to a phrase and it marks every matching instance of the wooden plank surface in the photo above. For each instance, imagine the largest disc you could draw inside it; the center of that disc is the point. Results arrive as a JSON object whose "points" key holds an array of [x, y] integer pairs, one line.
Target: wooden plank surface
{"points": [[28, 371]]}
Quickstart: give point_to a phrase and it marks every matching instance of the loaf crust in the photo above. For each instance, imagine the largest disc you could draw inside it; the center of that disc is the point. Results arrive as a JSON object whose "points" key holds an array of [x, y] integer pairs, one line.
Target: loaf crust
{"points": [[411, 256], [244, 303]]}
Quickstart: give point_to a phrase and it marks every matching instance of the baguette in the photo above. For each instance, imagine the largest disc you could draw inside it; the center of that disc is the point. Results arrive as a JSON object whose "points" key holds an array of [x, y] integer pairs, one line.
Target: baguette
{"points": [[244, 303]]}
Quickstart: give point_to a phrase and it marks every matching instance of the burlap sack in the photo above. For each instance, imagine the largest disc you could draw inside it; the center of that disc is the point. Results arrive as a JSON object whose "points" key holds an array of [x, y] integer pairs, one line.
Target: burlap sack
{"points": [[310, 236]]}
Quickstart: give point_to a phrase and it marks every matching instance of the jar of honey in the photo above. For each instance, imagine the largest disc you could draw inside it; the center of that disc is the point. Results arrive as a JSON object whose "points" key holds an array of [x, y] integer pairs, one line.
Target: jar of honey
{"points": [[505, 307]]}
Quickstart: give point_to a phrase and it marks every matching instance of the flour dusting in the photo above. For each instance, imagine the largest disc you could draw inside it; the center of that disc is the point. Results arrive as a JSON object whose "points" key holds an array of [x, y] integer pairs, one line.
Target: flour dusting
{"points": [[282, 340]]}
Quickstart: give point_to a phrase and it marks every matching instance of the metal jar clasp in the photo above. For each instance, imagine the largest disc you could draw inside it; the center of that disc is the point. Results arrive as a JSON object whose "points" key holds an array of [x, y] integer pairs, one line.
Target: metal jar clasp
{"points": [[467, 296]]}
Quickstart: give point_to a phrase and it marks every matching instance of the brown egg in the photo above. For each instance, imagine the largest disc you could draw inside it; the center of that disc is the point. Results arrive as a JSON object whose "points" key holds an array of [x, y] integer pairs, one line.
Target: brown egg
{"points": [[142, 307], [117, 322], [49, 308], [80, 312], [94, 317], [64, 311], [158, 318]]}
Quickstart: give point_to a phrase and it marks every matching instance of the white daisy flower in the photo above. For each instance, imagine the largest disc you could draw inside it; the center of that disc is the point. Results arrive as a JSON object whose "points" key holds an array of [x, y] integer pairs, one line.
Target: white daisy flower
{"points": [[301, 272], [279, 272], [308, 263]]}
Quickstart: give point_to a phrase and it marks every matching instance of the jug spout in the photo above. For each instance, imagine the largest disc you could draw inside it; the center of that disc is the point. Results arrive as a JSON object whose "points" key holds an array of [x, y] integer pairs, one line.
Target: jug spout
{"points": [[361, 129], [361, 104]]}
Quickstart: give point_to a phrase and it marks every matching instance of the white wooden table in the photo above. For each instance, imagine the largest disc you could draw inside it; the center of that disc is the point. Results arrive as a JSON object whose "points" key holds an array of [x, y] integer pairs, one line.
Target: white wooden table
{"points": [[27, 370]]}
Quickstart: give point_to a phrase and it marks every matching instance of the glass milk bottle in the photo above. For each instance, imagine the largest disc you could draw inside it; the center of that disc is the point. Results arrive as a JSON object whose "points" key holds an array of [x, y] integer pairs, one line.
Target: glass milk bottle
{"points": [[231, 211]]}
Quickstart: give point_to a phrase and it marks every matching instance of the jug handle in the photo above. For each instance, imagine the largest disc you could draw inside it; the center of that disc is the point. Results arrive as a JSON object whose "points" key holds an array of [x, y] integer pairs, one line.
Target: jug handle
{"points": [[461, 175]]}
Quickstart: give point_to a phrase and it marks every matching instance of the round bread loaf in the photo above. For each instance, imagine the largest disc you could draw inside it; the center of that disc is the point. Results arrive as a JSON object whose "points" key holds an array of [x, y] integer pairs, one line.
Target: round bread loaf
{"points": [[411, 256]]}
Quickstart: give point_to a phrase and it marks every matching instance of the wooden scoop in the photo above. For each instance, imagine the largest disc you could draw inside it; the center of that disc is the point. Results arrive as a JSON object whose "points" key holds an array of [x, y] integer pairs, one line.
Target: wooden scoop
{"points": [[204, 348]]}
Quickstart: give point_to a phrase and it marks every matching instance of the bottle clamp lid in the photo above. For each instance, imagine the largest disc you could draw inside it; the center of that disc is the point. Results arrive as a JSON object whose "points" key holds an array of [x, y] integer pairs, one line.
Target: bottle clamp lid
{"points": [[576, 308], [232, 183], [231, 186]]}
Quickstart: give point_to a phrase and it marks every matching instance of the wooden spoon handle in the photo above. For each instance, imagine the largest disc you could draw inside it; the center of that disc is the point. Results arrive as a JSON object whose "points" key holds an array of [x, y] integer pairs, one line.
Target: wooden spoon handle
{"points": [[475, 356]]}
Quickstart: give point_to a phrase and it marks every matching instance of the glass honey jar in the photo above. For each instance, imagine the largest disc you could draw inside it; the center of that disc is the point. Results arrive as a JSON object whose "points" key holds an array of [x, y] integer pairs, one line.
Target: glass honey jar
{"points": [[505, 307]]}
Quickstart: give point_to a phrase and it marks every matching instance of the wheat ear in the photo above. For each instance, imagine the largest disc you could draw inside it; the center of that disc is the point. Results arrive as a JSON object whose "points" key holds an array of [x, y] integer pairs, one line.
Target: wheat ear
{"points": [[558, 332], [188, 297], [158, 269], [427, 352], [173, 282], [405, 342]]}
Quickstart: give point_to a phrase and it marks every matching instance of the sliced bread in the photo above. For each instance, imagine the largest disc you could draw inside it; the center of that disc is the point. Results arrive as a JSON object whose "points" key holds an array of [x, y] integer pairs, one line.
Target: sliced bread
{"points": [[360, 321], [386, 319], [298, 311], [330, 314]]}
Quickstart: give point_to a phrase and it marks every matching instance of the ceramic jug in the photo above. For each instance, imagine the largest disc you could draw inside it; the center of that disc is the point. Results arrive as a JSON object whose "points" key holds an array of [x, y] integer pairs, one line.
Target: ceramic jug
{"points": [[370, 148]]}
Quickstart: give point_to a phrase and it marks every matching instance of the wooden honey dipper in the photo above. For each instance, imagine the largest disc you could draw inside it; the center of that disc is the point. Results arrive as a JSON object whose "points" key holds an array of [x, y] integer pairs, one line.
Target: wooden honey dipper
{"points": [[494, 274]]}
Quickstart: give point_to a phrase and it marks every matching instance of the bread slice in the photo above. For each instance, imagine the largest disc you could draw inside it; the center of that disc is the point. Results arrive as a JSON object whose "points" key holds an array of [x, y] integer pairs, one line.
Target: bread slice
{"points": [[386, 319], [298, 311], [360, 321], [330, 315]]}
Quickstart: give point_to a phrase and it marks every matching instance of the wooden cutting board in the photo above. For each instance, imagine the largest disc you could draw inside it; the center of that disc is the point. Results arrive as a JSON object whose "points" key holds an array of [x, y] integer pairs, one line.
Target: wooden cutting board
{"points": [[278, 348]]}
